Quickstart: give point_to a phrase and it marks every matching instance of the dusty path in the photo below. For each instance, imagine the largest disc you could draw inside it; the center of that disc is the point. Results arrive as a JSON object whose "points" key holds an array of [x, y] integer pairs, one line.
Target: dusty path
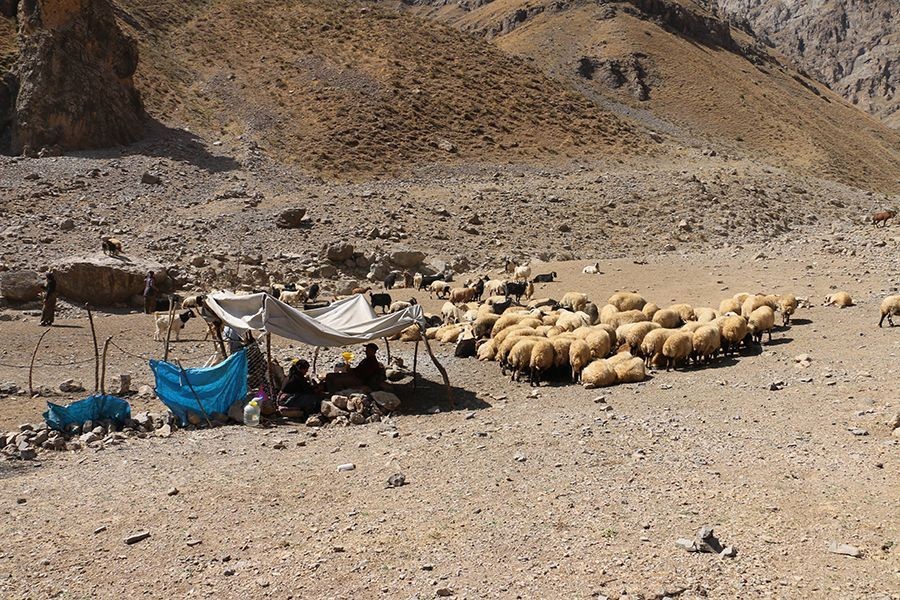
{"points": [[511, 496]]}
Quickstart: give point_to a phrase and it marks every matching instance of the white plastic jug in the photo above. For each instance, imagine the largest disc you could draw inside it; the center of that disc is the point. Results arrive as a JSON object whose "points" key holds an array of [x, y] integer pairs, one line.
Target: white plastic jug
{"points": [[251, 413]]}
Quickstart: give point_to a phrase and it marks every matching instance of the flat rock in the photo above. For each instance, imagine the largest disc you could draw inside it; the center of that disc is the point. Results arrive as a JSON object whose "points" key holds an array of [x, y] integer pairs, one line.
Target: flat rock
{"points": [[102, 280], [844, 549]]}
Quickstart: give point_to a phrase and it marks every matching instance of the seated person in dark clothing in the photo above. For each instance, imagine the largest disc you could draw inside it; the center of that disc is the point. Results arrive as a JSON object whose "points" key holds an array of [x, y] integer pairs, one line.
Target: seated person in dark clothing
{"points": [[369, 371], [298, 393]]}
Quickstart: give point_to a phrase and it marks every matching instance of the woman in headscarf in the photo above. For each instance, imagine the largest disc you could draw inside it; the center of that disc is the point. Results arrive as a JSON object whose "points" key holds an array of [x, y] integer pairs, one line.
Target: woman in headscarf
{"points": [[300, 396], [49, 308]]}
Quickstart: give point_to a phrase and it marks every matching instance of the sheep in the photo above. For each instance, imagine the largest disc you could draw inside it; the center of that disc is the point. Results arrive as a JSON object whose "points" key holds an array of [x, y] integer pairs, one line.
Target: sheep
{"points": [[450, 334], [382, 300], [619, 357], [839, 299], [574, 301], [685, 311], [579, 356], [542, 302], [741, 296], [611, 331], [883, 217], [730, 305], [626, 317], [667, 318], [296, 298], [707, 341], [483, 325], [706, 314], [550, 319], [652, 344], [581, 332], [761, 320], [439, 288], [544, 277], [401, 305], [450, 313], [361, 290], [413, 333], [504, 321], [599, 342], [193, 302], [591, 310], [650, 309], [627, 301], [523, 272], [734, 330], [570, 321], [630, 370], [495, 287], [519, 358], [561, 346], [890, 307], [754, 302], [677, 349], [598, 373], [693, 326], [487, 350], [178, 323], [417, 280], [463, 294], [593, 269], [543, 357], [110, 245], [787, 304], [431, 332], [632, 334], [607, 312]]}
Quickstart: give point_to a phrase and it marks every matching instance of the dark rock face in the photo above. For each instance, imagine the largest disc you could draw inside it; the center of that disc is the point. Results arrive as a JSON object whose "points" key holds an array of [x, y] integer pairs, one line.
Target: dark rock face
{"points": [[72, 87]]}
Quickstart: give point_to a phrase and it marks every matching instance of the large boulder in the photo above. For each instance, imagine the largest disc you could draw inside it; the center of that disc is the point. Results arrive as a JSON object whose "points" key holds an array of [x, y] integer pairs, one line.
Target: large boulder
{"points": [[339, 251], [20, 286], [73, 86], [291, 218], [102, 280], [407, 259]]}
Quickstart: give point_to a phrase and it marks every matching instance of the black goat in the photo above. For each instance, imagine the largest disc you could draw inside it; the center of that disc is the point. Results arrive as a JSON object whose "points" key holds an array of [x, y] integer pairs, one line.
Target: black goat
{"points": [[544, 278], [516, 289], [313, 291], [382, 300], [429, 279], [391, 279]]}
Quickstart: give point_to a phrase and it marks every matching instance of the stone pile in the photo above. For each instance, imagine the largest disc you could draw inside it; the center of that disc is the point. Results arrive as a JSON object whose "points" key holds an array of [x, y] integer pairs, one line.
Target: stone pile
{"points": [[352, 407]]}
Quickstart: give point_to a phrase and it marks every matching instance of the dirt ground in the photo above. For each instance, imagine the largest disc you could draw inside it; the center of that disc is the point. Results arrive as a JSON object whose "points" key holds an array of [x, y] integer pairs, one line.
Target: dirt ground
{"points": [[509, 495]]}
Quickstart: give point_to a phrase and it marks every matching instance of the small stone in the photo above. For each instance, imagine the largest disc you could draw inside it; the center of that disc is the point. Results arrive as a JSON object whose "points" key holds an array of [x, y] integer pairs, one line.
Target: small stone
{"points": [[346, 467], [844, 549], [858, 431], [66, 225], [100, 529], [686, 544], [279, 445], [150, 178], [445, 592], [775, 386], [728, 552], [70, 386], [396, 480], [314, 421], [21, 500], [330, 411], [164, 431], [520, 458], [173, 491], [386, 400], [134, 538]]}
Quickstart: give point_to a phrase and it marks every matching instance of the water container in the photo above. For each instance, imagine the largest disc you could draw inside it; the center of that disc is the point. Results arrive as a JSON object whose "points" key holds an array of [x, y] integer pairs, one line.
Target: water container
{"points": [[251, 413]]}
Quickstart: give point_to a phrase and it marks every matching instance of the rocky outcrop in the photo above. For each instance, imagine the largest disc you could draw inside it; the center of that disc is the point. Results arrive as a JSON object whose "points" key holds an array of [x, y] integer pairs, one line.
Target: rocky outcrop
{"points": [[104, 280], [849, 45], [72, 86], [20, 286]]}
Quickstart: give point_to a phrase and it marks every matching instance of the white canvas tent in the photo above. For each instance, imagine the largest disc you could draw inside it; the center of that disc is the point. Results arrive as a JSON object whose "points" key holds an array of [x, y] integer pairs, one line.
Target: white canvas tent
{"points": [[342, 323]]}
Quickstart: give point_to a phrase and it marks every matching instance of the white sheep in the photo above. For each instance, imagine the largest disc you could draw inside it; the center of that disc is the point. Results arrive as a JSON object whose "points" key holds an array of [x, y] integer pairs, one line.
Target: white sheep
{"points": [[761, 320], [519, 358], [417, 280], [667, 318], [730, 305], [652, 344], [599, 373], [650, 309], [593, 269], [627, 301], [438, 288], [787, 304], [192, 302], [706, 314], [734, 330], [293, 298], [632, 334], [677, 349], [450, 313], [685, 311], [707, 341], [495, 287], [523, 272], [579, 356], [542, 358], [839, 299], [630, 370], [487, 350], [598, 340], [626, 317], [890, 307], [574, 301]]}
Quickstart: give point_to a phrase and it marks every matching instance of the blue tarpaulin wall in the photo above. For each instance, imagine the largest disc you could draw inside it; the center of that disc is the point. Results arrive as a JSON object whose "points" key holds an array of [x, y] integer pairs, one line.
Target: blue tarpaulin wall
{"points": [[217, 387], [93, 408]]}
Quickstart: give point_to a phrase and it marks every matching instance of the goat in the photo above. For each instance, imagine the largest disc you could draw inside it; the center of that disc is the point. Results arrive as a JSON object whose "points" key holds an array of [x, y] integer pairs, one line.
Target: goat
{"points": [[390, 280], [313, 292], [882, 217], [382, 300], [544, 278], [180, 320], [110, 245], [427, 280]]}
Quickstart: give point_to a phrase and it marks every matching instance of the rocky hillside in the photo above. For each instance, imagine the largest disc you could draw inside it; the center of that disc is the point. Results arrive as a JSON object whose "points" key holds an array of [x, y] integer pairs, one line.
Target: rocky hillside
{"points": [[851, 45]]}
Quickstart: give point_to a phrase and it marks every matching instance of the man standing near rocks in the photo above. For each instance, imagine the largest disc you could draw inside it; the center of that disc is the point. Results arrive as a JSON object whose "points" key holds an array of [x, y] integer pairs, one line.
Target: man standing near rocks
{"points": [[49, 309], [150, 293]]}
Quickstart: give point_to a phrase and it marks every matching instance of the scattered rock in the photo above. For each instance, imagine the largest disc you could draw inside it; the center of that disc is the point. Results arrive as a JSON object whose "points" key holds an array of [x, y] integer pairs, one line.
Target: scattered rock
{"points": [[396, 480], [386, 400], [291, 218], [150, 178], [173, 491], [844, 549], [134, 538], [339, 252], [407, 259], [330, 411], [445, 592], [346, 467], [70, 386], [858, 431]]}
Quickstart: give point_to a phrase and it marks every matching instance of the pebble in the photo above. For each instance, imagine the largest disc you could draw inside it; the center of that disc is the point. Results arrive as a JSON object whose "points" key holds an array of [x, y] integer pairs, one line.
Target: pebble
{"points": [[520, 458], [396, 480], [346, 467], [445, 592], [844, 549], [134, 538], [173, 491]]}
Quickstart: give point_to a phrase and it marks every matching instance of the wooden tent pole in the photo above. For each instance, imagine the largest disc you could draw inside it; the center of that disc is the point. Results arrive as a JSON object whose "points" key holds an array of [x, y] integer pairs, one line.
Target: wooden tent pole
{"points": [[441, 370], [169, 330], [388, 348], [103, 365], [193, 391], [33, 356], [269, 366], [415, 364], [315, 360], [96, 350]]}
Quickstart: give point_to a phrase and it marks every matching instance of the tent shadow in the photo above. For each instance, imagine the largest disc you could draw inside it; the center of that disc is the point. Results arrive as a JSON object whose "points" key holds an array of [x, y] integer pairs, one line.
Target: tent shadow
{"points": [[430, 394]]}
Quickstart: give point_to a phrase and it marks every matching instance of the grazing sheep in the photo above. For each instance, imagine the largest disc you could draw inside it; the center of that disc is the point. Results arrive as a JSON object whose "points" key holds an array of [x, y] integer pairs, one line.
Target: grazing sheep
{"points": [[570, 321], [505, 321], [593, 269], [542, 359], [754, 302], [734, 330], [667, 318], [882, 217], [890, 307], [417, 281], [561, 346], [707, 342], [677, 349], [787, 304], [632, 334], [693, 326], [438, 288], [401, 305], [740, 297], [685, 311], [839, 299], [484, 324], [624, 301], [486, 351], [706, 314], [650, 309], [296, 298], [598, 373], [463, 294], [612, 333], [544, 278], [110, 245], [193, 302], [523, 272], [761, 320], [495, 287], [382, 300], [591, 310], [730, 305], [630, 370], [599, 342], [178, 323], [519, 358], [607, 312], [574, 301], [579, 356], [626, 317], [450, 313], [652, 344]]}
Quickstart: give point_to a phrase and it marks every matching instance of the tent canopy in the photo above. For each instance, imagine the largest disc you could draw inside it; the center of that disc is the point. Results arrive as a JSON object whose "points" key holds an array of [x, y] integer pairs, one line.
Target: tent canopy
{"points": [[345, 322]]}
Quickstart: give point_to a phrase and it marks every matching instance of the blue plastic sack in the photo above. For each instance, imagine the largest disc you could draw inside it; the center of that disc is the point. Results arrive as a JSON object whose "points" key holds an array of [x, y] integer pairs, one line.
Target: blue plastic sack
{"points": [[216, 387], [93, 408]]}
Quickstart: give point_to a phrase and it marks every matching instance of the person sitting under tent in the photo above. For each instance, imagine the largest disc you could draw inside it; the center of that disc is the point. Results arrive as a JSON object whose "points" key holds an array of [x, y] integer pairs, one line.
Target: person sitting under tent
{"points": [[300, 396], [369, 371]]}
